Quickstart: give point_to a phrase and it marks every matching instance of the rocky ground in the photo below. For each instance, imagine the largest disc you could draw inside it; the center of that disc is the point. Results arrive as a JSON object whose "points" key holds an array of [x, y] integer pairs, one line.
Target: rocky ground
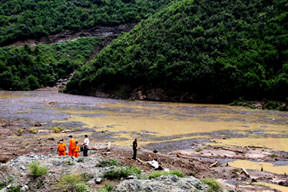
{"points": [[16, 173]]}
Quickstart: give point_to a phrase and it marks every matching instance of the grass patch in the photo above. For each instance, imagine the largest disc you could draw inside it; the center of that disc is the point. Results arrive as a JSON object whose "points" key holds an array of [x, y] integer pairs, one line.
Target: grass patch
{"points": [[108, 163], [214, 186], [124, 172], [2, 185], [155, 174], [20, 131], [10, 179], [107, 188], [70, 163], [36, 169], [57, 129], [73, 183], [14, 189], [198, 149], [236, 171], [273, 155], [33, 131], [80, 160]]}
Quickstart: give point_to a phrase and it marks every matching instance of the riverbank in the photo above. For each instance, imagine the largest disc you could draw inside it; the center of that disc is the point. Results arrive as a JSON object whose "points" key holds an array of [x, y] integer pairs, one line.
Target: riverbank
{"points": [[15, 173], [240, 147]]}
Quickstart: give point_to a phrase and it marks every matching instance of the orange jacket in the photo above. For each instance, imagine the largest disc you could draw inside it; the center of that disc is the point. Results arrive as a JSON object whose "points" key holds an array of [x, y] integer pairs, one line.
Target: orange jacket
{"points": [[77, 149], [62, 147], [72, 143]]}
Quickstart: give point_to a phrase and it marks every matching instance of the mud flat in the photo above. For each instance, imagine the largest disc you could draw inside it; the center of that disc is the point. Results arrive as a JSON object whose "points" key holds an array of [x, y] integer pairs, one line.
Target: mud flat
{"points": [[244, 149]]}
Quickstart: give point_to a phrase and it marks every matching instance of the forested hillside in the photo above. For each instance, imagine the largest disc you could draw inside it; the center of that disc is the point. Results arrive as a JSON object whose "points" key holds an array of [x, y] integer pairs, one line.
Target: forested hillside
{"points": [[21, 19], [205, 50], [25, 68]]}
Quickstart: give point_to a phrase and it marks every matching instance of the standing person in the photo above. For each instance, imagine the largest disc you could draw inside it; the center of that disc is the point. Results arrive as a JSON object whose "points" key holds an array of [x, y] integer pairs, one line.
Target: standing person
{"points": [[85, 146], [77, 150], [72, 146], [61, 148], [135, 147]]}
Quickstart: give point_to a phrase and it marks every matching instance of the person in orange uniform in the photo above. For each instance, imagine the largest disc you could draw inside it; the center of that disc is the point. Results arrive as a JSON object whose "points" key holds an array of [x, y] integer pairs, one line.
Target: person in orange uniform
{"points": [[72, 146], [61, 148], [77, 150]]}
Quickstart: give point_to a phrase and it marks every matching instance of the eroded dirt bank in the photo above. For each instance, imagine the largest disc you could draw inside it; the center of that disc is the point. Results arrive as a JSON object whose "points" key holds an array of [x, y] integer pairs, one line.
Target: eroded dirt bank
{"points": [[244, 149], [99, 31]]}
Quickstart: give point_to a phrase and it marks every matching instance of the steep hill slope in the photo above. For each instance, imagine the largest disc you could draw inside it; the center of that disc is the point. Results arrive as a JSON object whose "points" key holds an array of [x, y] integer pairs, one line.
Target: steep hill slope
{"points": [[22, 19], [25, 68], [197, 50]]}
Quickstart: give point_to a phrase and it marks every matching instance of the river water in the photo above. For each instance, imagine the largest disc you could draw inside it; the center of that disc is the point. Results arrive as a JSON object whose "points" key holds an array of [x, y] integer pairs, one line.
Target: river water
{"points": [[173, 125]]}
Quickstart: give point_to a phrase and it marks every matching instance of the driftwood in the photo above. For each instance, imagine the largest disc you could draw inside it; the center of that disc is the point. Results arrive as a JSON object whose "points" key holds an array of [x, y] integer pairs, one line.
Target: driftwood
{"points": [[245, 172], [227, 149], [213, 164]]}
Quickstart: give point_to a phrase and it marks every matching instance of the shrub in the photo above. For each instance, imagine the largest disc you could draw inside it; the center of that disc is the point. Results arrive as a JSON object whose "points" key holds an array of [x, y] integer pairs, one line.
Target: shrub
{"points": [[107, 188], [33, 131], [80, 187], [57, 129], [72, 182], [2, 185], [14, 189], [155, 174], [124, 172], [214, 186], [70, 163], [80, 160], [36, 169], [20, 131], [108, 163]]}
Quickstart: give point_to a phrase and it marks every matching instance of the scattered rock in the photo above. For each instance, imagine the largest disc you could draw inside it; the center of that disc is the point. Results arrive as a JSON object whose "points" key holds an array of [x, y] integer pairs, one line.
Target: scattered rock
{"points": [[131, 177], [98, 180], [37, 124], [23, 168], [24, 188], [91, 182], [170, 183]]}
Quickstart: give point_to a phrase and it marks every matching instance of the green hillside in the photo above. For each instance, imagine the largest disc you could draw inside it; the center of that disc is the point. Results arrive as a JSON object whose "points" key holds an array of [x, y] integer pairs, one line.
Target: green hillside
{"points": [[213, 50], [25, 68], [22, 19]]}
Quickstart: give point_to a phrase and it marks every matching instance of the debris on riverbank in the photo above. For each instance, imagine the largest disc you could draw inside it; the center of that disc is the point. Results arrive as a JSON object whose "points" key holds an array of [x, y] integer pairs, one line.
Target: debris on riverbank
{"points": [[134, 174]]}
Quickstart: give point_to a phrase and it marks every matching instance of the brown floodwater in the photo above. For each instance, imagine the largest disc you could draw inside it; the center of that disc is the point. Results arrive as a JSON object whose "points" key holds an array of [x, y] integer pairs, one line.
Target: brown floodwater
{"points": [[119, 121]]}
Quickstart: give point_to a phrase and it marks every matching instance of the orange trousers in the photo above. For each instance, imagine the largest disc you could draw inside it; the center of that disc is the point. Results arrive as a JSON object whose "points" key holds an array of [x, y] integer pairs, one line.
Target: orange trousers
{"points": [[76, 154], [71, 152], [61, 153]]}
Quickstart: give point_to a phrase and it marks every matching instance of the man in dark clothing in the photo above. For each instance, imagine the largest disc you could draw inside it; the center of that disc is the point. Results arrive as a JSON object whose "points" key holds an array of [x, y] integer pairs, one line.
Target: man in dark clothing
{"points": [[85, 146], [135, 147]]}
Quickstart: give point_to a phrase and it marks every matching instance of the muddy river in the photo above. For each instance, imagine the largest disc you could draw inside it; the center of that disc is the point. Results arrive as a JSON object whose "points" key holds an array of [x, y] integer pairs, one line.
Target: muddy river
{"points": [[167, 126]]}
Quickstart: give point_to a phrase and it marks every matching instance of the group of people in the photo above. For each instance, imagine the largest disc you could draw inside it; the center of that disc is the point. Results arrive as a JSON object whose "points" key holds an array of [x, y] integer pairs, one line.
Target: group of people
{"points": [[74, 149]]}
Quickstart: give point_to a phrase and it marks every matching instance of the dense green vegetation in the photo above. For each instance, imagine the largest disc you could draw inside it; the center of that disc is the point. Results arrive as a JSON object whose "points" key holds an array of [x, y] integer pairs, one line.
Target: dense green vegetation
{"points": [[222, 49], [21, 19], [25, 68]]}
